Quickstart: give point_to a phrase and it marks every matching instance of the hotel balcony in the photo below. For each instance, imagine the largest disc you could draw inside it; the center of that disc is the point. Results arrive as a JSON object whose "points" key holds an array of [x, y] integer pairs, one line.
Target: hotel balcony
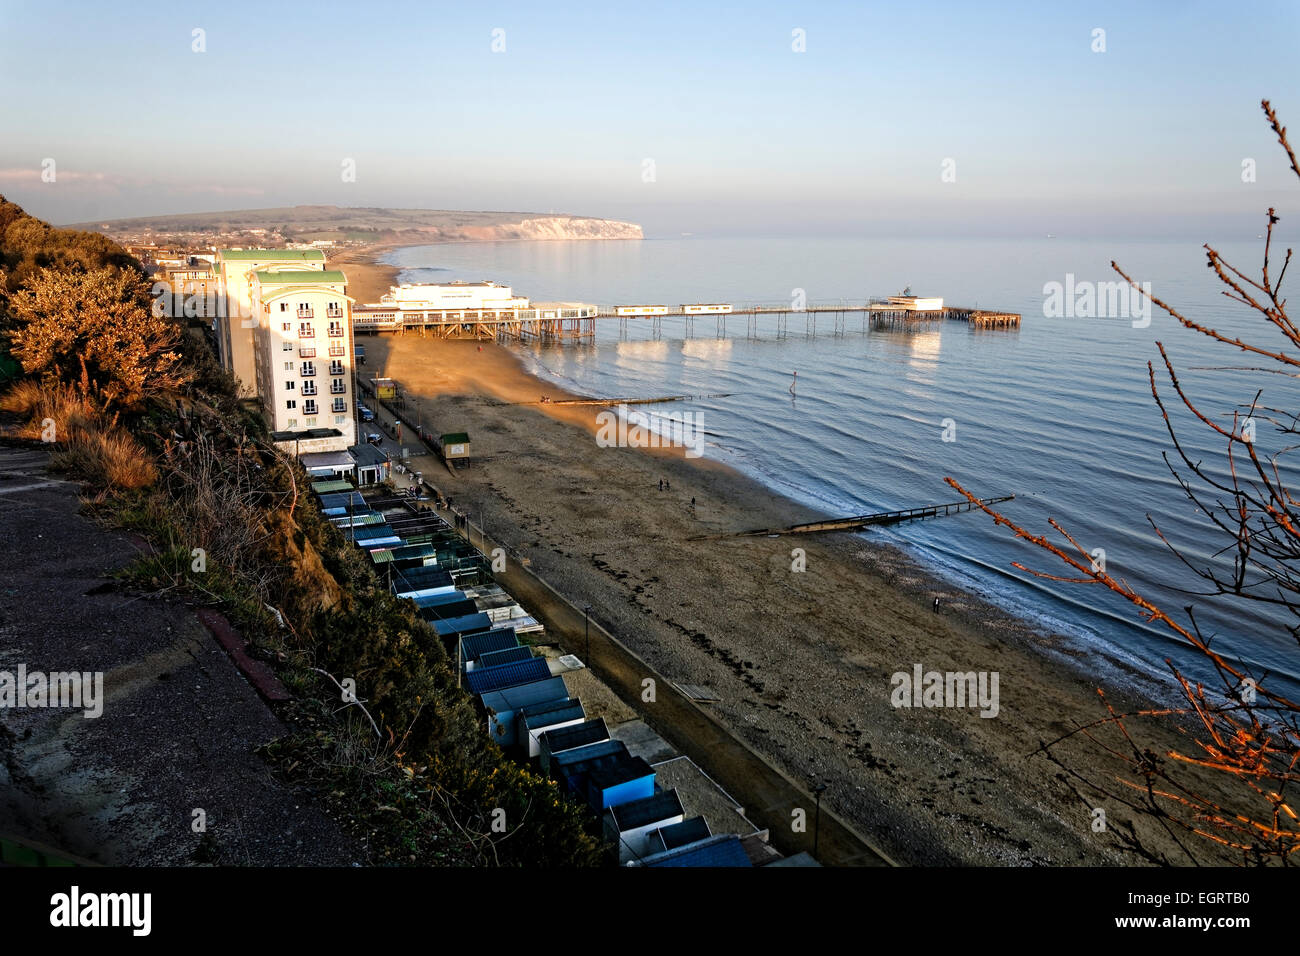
{"points": [[338, 350], [340, 405], [309, 389], [306, 313], [336, 368], [306, 332], [338, 389], [334, 313], [307, 352], [336, 331], [309, 408], [308, 370]]}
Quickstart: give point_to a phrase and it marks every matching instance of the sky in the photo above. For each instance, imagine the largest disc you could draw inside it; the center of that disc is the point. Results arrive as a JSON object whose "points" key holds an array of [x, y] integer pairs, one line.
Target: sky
{"points": [[772, 119]]}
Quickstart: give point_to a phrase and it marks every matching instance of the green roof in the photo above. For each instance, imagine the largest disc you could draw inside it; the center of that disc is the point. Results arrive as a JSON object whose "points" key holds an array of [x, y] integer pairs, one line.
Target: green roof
{"points": [[325, 487], [275, 255], [299, 277]]}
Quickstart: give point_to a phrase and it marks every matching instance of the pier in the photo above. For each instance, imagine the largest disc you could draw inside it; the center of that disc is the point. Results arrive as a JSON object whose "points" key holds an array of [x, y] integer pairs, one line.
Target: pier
{"points": [[576, 322]]}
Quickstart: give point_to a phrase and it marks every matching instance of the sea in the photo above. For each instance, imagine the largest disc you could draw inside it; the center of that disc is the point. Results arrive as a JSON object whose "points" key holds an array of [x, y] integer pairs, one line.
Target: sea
{"points": [[1058, 412]]}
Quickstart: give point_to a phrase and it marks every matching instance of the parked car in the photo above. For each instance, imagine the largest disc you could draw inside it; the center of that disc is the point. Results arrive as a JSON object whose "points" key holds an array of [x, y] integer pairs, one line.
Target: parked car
{"points": [[366, 414], [374, 438]]}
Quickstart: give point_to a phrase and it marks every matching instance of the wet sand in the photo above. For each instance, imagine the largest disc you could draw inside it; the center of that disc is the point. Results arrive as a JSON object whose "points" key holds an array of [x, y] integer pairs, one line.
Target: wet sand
{"points": [[802, 661]]}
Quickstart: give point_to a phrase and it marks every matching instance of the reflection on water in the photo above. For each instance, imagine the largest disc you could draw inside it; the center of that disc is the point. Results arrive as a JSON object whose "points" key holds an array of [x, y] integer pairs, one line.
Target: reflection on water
{"points": [[711, 353]]}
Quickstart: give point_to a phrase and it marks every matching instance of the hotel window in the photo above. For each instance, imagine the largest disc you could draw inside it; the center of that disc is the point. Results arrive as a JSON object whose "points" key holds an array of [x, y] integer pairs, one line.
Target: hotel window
{"points": [[340, 419], [284, 306], [311, 423], [288, 386], [291, 404], [288, 347], [338, 386], [286, 326], [293, 423], [288, 366], [309, 406]]}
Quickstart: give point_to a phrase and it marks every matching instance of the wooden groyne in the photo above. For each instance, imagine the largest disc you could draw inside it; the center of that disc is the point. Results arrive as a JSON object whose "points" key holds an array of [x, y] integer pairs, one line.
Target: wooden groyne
{"points": [[879, 518]]}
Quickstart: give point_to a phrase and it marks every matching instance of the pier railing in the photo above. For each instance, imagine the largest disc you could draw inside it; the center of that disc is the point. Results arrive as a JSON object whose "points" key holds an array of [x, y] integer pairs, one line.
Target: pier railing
{"points": [[547, 321]]}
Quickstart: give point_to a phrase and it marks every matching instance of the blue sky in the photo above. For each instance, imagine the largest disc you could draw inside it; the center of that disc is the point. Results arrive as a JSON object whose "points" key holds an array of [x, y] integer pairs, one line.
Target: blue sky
{"points": [[746, 135]]}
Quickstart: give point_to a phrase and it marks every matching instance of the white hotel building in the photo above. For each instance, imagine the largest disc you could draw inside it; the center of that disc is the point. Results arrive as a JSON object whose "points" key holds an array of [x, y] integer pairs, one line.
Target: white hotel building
{"points": [[302, 351], [235, 323]]}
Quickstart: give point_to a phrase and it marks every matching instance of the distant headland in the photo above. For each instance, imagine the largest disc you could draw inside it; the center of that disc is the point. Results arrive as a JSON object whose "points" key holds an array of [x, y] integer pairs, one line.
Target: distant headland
{"points": [[352, 226]]}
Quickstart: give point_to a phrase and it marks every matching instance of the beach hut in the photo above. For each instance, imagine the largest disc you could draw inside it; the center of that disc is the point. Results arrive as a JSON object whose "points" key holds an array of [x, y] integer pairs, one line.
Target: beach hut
{"points": [[539, 718], [560, 739], [497, 639], [571, 767], [481, 680], [438, 607], [385, 389], [674, 835], [454, 446], [510, 655], [630, 778], [631, 825], [326, 486], [721, 850], [503, 705], [453, 628]]}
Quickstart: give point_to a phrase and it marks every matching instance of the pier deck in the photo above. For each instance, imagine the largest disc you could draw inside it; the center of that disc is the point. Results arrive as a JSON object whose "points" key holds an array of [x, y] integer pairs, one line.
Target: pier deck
{"points": [[572, 321]]}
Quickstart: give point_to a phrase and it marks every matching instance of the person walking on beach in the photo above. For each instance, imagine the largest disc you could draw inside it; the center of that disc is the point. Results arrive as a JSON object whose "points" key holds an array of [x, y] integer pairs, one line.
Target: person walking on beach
{"points": [[661, 484]]}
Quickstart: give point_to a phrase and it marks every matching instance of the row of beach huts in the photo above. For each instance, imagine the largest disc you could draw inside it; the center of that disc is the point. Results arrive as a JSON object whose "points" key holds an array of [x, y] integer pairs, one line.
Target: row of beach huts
{"points": [[526, 703]]}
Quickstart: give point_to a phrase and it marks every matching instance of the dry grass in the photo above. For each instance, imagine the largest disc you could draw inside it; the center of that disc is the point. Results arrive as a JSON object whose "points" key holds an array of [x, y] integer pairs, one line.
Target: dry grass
{"points": [[88, 446], [109, 459], [67, 408]]}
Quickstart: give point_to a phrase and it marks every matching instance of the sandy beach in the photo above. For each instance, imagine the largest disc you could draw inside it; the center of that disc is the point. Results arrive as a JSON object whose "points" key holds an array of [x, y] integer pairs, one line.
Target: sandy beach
{"points": [[802, 662], [367, 278]]}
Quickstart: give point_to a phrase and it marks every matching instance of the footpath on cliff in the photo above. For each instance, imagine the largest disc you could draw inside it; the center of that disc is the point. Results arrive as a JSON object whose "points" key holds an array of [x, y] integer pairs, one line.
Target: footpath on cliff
{"points": [[167, 774]]}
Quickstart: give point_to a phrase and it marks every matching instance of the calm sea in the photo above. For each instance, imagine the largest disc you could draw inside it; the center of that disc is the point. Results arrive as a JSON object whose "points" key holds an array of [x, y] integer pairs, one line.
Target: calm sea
{"points": [[1059, 413]]}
